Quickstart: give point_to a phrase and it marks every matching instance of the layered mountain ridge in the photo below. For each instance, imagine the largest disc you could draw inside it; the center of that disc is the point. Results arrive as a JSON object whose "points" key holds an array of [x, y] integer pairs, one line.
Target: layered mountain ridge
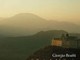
{"points": [[24, 24]]}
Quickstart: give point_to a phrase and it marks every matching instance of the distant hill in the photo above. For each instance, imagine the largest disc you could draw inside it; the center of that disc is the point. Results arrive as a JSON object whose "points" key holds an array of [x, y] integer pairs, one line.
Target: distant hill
{"points": [[24, 24], [1, 18], [47, 53], [51, 33]]}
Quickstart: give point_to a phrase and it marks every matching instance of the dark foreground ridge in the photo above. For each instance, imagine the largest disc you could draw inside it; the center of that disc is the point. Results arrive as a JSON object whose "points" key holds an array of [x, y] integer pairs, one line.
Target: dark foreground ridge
{"points": [[56, 53]]}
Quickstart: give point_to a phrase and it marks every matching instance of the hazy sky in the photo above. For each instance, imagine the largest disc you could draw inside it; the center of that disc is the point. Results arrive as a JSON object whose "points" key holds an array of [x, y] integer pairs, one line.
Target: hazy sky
{"points": [[68, 10]]}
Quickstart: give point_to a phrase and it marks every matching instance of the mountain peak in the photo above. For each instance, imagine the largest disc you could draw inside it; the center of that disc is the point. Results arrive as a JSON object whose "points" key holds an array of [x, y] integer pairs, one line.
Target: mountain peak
{"points": [[26, 15]]}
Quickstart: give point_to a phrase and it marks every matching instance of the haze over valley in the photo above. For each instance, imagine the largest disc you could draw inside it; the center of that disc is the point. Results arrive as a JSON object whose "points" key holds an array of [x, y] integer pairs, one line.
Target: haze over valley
{"points": [[29, 25], [24, 24]]}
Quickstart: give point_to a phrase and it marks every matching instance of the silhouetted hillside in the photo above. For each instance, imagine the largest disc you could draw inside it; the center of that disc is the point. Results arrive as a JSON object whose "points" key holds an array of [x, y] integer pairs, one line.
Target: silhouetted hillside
{"points": [[52, 33], [47, 53], [19, 48]]}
